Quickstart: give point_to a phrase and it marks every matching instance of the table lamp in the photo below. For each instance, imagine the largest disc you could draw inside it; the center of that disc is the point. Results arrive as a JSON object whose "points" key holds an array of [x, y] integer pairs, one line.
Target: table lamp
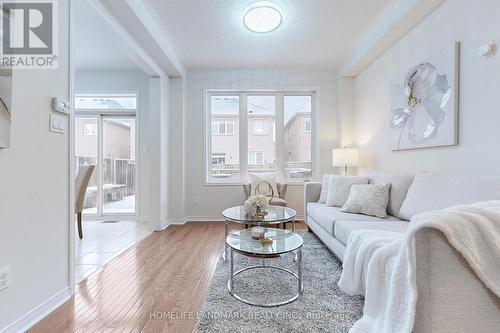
{"points": [[344, 157]]}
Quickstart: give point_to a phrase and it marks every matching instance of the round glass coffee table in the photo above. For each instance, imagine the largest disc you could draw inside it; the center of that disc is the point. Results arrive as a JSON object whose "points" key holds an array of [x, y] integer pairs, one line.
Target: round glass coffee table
{"points": [[275, 215], [284, 241]]}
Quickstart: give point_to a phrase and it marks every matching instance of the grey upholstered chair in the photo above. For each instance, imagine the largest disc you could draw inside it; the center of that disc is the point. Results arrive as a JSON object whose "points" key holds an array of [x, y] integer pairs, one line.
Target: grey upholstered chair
{"points": [[81, 184]]}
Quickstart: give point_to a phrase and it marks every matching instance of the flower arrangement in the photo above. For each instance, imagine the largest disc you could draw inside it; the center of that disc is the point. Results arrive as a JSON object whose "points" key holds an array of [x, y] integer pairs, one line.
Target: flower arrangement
{"points": [[256, 205]]}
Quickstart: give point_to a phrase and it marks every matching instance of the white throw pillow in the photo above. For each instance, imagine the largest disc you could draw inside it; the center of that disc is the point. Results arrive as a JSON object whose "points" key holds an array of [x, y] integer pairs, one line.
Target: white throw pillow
{"points": [[324, 188], [257, 178], [339, 188], [368, 199]]}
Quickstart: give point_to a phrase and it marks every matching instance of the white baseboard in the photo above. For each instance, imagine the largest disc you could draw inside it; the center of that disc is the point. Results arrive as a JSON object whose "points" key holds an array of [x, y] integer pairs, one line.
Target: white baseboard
{"points": [[177, 221], [204, 219], [38, 313], [219, 219]]}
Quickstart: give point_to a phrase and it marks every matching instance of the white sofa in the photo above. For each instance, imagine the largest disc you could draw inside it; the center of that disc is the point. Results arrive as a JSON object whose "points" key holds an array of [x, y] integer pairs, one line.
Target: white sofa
{"points": [[451, 298]]}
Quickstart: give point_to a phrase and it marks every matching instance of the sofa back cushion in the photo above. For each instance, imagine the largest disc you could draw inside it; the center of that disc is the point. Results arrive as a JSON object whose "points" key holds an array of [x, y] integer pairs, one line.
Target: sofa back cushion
{"points": [[433, 191], [400, 183], [339, 188]]}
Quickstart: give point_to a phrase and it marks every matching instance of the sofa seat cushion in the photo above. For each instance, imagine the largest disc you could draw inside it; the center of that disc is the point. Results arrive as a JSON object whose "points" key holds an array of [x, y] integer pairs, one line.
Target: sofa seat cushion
{"points": [[344, 228], [326, 216]]}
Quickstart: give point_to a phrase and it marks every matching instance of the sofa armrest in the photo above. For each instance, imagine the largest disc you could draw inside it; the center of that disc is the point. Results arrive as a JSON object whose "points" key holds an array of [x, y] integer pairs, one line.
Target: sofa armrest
{"points": [[451, 298], [312, 192]]}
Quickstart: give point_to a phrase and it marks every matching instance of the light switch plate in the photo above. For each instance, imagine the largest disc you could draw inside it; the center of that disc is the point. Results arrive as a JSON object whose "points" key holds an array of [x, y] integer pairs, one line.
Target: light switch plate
{"points": [[57, 123], [60, 105]]}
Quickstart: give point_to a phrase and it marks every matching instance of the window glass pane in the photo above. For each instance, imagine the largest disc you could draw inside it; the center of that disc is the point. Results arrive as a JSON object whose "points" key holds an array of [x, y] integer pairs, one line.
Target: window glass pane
{"points": [[86, 154], [90, 128], [307, 125], [297, 137], [225, 143], [261, 138], [106, 102], [118, 165]]}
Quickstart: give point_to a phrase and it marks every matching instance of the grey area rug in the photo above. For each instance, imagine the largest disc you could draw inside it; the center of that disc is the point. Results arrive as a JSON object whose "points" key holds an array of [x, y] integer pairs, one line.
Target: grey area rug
{"points": [[323, 307]]}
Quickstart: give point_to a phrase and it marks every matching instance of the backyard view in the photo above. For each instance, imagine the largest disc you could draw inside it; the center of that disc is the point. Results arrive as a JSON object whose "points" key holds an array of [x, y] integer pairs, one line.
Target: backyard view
{"points": [[117, 185], [262, 150]]}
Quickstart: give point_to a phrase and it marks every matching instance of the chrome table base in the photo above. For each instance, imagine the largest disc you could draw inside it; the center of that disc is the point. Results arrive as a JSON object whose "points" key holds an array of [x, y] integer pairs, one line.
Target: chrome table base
{"points": [[298, 276]]}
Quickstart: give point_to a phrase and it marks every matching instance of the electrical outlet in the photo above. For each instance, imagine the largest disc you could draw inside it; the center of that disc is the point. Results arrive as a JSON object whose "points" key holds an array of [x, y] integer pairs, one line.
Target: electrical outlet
{"points": [[5, 278]]}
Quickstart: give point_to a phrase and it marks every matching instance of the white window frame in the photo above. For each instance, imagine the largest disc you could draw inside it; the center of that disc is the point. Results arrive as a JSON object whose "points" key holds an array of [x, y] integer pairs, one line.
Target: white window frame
{"points": [[243, 131], [109, 95]]}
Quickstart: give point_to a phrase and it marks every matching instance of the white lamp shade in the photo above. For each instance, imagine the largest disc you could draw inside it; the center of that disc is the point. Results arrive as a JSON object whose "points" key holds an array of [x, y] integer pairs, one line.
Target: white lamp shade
{"points": [[345, 157]]}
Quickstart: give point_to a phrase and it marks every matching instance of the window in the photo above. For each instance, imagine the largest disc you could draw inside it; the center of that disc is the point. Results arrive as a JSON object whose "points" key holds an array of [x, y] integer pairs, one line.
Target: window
{"points": [[222, 127], [278, 135], [106, 102], [307, 125], [218, 159], [297, 143], [260, 127], [261, 113], [255, 158], [90, 129], [224, 147]]}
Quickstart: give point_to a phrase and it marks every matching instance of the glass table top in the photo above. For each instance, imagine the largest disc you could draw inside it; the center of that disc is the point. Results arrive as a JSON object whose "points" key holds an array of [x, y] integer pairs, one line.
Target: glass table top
{"points": [[275, 214], [284, 241]]}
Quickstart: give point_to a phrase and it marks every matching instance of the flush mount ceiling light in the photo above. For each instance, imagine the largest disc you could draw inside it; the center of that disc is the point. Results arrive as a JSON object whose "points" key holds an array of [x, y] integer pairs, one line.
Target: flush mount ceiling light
{"points": [[262, 16]]}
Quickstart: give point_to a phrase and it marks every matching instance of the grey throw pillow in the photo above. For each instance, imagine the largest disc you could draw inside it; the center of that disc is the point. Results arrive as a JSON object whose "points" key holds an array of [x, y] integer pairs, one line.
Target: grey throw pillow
{"points": [[339, 188], [324, 188], [368, 199]]}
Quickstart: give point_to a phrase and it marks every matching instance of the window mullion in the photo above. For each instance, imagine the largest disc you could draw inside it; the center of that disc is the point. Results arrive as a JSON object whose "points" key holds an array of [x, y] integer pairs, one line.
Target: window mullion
{"points": [[243, 138], [280, 130]]}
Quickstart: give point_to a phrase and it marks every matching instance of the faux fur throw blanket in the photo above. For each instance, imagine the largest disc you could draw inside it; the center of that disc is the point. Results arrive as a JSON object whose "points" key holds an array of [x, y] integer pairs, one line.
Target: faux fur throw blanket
{"points": [[381, 265]]}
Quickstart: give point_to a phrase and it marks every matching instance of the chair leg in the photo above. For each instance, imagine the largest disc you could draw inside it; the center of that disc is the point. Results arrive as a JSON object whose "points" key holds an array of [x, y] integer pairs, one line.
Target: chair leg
{"points": [[79, 220]]}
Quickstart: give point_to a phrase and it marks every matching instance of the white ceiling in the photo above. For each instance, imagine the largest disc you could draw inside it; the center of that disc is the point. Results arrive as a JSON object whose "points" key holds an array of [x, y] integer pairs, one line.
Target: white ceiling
{"points": [[97, 44], [209, 34]]}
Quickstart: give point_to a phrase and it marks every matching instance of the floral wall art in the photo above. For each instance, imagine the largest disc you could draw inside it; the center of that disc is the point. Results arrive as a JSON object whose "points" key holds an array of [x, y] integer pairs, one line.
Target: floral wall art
{"points": [[5, 109], [424, 103]]}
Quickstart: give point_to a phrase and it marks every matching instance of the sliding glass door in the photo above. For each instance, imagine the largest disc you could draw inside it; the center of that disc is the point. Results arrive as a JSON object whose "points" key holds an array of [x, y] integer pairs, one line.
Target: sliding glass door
{"points": [[118, 165], [105, 135], [109, 142]]}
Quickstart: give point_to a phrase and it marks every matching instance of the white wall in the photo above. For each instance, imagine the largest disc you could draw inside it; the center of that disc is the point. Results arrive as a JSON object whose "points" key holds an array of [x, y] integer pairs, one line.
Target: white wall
{"points": [[116, 81], [176, 176], [34, 192], [473, 24], [213, 199]]}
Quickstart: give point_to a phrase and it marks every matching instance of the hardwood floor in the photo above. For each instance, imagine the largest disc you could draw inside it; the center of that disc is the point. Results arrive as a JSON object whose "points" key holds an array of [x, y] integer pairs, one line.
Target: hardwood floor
{"points": [[156, 286]]}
